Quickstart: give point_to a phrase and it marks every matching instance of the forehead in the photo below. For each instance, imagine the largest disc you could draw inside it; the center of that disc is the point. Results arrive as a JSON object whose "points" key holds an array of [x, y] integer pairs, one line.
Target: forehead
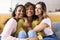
{"points": [[30, 6], [38, 6], [20, 7]]}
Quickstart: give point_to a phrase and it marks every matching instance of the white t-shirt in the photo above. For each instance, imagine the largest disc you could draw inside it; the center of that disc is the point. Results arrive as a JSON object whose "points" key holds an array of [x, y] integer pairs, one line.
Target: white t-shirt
{"points": [[9, 29], [48, 31]]}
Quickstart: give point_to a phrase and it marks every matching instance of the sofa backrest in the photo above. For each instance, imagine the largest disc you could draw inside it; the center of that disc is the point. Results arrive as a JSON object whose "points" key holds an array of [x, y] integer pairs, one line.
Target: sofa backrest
{"points": [[3, 17], [55, 17]]}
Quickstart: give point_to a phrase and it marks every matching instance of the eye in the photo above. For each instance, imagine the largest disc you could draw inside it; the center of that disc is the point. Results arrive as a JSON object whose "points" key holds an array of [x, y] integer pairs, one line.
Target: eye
{"points": [[31, 8], [19, 10]]}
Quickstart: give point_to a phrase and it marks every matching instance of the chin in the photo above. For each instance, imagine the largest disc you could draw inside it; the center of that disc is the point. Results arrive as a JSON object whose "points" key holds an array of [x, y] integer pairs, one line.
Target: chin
{"points": [[20, 17], [36, 14]]}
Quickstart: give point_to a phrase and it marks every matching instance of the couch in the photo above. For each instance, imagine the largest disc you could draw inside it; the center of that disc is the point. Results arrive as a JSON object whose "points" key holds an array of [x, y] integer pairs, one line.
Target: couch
{"points": [[3, 18], [55, 18]]}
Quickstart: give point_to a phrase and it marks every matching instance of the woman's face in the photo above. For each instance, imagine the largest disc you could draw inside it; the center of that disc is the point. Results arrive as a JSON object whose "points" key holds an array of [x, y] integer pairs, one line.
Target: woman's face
{"points": [[38, 9], [30, 11], [19, 12]]}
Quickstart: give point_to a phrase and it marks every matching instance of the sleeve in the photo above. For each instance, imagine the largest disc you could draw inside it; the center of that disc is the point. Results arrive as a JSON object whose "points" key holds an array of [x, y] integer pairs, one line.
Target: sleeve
{"points": [[11, 38], [47, 21], [8, 30]]}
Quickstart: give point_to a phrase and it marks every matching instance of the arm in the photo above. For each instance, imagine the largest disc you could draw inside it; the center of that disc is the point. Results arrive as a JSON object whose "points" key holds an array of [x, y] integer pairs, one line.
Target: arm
{"points": [[32, 39], [27, 25], [11, 38], [8, 30], [40, 27], [44, 23]]}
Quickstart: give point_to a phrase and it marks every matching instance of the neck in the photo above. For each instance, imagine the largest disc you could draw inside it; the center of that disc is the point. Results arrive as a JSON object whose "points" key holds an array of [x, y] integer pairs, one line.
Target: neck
{"points": [[16, 18], [30, 19], [40, 16]]}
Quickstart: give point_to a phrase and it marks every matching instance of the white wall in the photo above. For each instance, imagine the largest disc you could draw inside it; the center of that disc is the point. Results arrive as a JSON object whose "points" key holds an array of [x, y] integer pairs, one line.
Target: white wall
{"points": [[6, 4], [52, 5], [14, 2]]}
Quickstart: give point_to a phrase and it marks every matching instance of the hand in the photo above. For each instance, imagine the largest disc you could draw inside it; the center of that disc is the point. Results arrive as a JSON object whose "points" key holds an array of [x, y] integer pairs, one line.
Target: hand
{"points": [[26, 23], [32, 39], [27, 26]]}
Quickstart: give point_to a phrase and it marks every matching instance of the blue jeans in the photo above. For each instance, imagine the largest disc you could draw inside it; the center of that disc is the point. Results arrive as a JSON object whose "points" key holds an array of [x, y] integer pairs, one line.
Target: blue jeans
{"points": [[51, 37], [29, 34], [0, 37]]}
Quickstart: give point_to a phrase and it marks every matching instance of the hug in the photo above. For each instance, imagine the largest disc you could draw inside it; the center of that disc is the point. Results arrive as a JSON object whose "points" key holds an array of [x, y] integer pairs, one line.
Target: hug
{"points": [[29, 22]]}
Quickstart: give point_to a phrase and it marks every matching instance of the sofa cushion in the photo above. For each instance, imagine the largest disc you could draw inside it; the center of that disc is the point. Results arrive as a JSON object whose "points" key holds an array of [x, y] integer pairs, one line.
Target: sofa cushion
{"points": [[58, 34], [56, 26]]}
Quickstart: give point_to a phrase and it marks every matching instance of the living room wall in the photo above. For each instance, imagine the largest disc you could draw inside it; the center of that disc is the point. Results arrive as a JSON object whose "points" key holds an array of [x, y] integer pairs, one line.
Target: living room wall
{"points": [[5, 5]]}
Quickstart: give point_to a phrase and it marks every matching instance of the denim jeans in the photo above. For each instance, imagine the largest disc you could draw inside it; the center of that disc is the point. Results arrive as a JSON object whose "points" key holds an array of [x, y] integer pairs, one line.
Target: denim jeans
{"points": [[0, 37], [51, 37], [29, 34]]}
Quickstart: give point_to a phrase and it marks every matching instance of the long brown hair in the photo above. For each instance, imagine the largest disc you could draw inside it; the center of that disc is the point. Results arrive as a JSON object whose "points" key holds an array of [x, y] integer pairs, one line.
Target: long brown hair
{"points": [[31, 4], [13, 13], [44, 10]]}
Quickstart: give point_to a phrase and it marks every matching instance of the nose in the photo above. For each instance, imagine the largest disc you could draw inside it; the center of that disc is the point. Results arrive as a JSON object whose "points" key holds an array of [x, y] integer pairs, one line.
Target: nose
{"points": [[21, 11], [36, 10]]}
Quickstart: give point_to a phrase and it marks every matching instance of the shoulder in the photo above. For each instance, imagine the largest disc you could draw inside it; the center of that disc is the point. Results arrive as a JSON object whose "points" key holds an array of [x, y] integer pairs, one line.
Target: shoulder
{"points": [[47, 19], [12, 20], [21, 21], [35, 22]]}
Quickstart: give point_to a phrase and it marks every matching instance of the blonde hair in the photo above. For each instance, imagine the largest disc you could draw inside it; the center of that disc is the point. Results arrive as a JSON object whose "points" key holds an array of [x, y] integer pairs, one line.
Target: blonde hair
{"points": [[44, 13]]}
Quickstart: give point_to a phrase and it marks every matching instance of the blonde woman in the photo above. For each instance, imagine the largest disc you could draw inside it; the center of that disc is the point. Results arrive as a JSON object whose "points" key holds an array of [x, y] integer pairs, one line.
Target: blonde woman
{"points": [[44, 25]]}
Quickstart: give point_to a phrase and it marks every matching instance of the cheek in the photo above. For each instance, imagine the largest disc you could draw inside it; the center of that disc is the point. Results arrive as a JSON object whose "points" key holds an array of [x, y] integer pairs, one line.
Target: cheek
{"points": [[20, 16], [26, 12], [16, 13], [33, 11], [40, 11]]}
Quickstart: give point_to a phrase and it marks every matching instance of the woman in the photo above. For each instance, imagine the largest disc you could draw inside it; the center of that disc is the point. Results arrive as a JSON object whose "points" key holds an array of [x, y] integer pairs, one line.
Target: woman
{"points": [[28, 16], [44, 22], [11, 25], [29, 23]]}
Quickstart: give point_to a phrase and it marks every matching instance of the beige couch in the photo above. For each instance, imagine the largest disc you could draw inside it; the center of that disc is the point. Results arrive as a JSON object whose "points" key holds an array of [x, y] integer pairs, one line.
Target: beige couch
{"points": [[55, 17]]}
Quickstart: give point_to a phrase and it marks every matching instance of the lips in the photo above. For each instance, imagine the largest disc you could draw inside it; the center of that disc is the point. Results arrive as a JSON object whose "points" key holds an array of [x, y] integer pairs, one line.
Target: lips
{"points": [[20, 16]]}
